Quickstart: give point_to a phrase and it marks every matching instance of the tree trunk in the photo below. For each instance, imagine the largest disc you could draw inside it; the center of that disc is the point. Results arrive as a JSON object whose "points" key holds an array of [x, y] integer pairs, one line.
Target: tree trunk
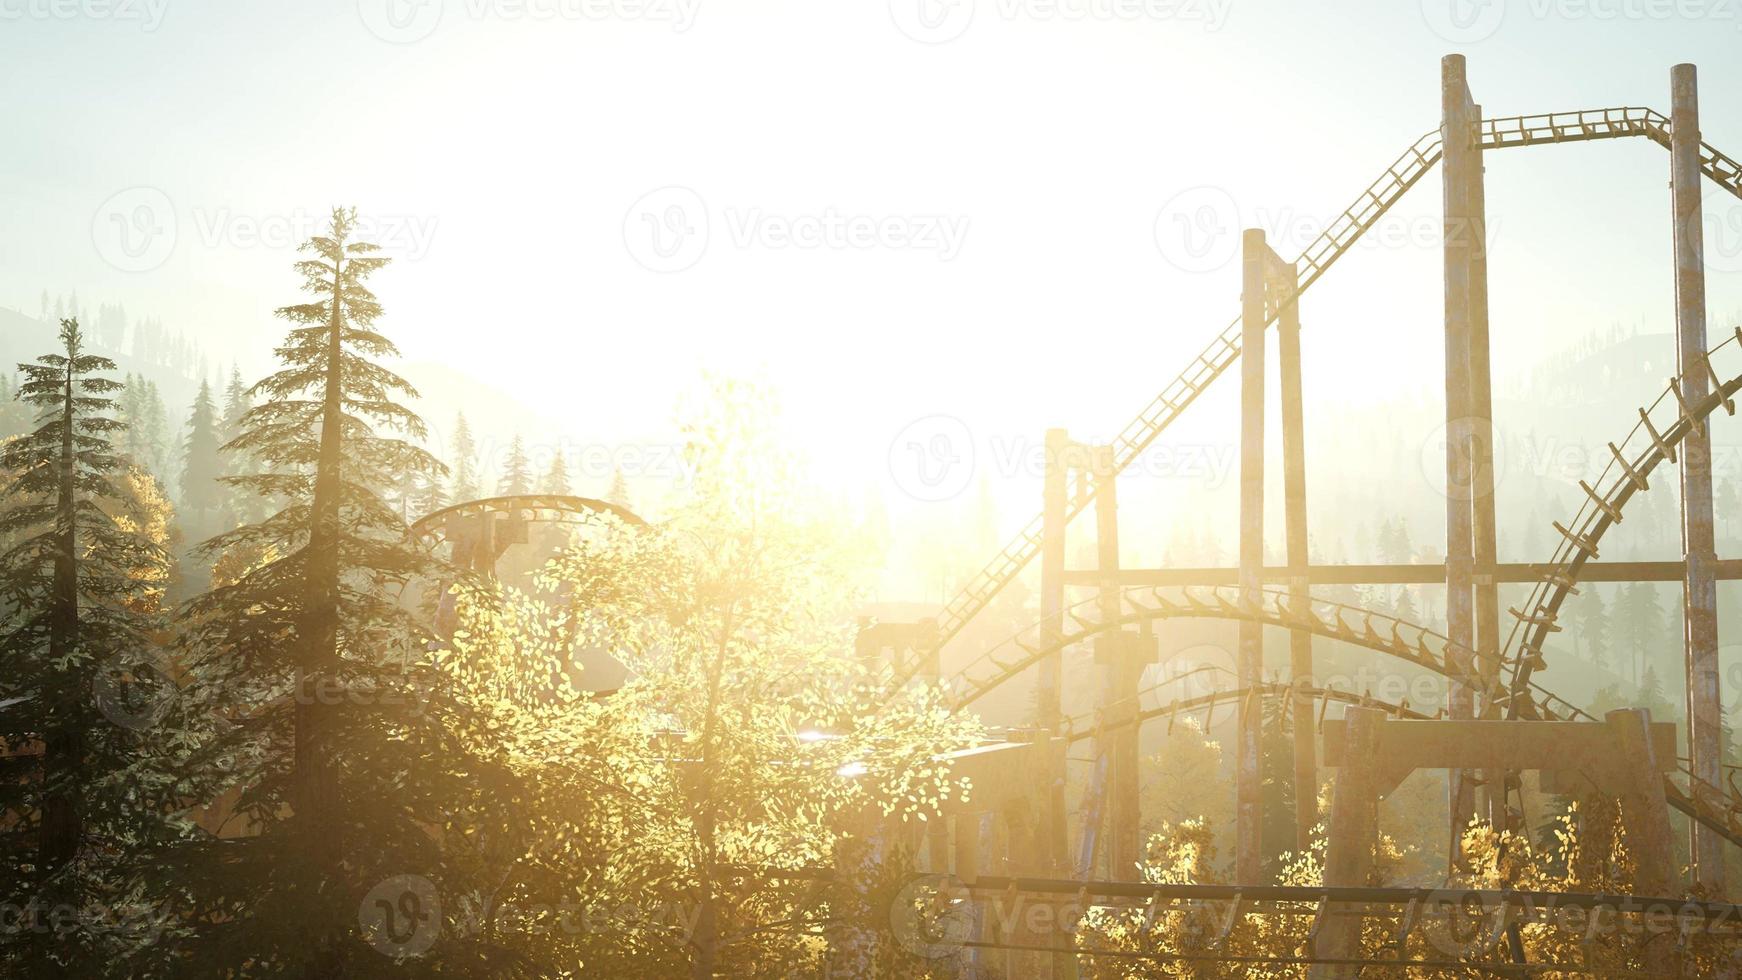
{"points": [[315, 779], [64, 739]]}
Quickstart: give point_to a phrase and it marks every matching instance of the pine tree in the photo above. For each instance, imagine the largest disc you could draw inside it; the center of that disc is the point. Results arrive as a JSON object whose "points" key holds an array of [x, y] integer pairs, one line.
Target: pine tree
{"points": [[74, 586], [465, 465], [619, 492], [202, 464], [310, 649], [517, 473], [236, 405], [431, 495], [145, 438], [556, 479]]}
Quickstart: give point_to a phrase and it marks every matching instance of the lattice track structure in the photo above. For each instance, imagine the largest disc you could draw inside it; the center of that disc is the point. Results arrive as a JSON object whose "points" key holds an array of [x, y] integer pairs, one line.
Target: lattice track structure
{"points": [[431, 529], [1143, 605], [1089, 724], [1317, 259], [1647, 445], [1717, 807]]}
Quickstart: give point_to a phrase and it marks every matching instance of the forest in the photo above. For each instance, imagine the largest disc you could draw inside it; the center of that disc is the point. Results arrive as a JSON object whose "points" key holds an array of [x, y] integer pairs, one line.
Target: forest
{"points": [[265, 761]]}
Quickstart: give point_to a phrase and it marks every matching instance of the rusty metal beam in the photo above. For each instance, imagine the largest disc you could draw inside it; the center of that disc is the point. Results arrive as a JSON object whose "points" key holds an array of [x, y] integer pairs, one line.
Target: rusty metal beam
{"points": [[1249, 663], [1458, 160], [1725, 570], [1700, 588], [1052, 594], [1285, 281]]}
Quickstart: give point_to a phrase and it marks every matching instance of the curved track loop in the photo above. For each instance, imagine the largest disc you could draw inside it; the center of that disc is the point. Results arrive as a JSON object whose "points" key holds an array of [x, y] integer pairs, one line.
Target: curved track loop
{"points": [[432, 528], [1145, 604], [1652, 441], [1315, 261], [1088, 725]]}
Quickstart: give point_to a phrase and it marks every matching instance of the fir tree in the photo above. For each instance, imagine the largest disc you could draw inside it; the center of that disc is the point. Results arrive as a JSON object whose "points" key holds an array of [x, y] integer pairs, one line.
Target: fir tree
{"points": [[517, 473], [430, 496], [556, 478], [202, 463], [619, 492], [465, 465], [310, 650], [74, 586]]}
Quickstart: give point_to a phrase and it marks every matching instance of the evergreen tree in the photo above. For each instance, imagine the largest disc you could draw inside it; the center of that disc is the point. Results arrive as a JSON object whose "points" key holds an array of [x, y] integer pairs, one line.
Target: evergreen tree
{"points": [[619, 492], [431, 495], [145, 439], [236, 404], [556, 479], [1591, 626], [202, 464], [517, 473], [465, 465], [1641, 623], [14, 415], [320, 668], [78, 619]]}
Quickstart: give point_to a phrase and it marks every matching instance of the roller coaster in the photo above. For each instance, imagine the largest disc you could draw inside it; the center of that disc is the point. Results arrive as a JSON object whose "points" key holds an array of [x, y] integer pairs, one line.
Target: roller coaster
{"points": [[1498, 679], [1490, 680]]}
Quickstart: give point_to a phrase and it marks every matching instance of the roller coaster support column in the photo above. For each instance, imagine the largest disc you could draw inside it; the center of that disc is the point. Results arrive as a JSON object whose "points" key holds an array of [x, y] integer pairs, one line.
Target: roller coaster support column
{"points": [[1481, 412], [1283, 288], [1349, 839], [1052, 604], [1460, 161], [1700, 594], [1248, 787], [1119, 653]]}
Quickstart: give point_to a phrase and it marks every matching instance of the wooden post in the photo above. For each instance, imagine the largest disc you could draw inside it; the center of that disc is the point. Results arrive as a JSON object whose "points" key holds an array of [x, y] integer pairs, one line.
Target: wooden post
{"points": [[1248, 792], [1300, 642], [1354, 823], [1643, 806], [1119, 683], [1481, 415], [1457, 135], [1700, 590], [1052, 603]]}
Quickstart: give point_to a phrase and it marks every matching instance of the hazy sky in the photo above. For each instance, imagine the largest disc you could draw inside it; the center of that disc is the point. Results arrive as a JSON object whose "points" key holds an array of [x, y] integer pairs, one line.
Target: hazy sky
{"points": [[889, 208]]}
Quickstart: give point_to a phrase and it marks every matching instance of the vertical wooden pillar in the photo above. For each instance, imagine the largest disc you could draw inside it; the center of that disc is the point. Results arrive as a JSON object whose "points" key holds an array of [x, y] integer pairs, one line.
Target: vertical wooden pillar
{"points": [[1300, 642], [1699, 588], [1052, 603], [1457, 135], [1354, 824], [1481, 415], [1119, 684], [1248, 788]]}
